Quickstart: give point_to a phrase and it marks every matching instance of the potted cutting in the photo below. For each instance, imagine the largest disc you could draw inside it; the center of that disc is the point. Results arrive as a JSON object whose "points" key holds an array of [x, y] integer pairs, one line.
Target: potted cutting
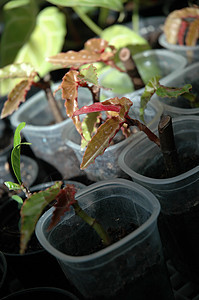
{"points": [[181, 33], [25, 267], [182, 106], [124, 242]]}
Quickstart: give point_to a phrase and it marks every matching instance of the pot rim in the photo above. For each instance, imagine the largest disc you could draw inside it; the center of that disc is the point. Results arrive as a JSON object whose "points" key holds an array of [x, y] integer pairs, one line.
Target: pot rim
{"points": [[81, 259]]}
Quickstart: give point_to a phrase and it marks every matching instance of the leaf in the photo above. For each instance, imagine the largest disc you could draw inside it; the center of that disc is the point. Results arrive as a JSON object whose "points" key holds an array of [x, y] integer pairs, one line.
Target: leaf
{"points": [[164, 91], [17, 135], [90, 74], [22, 70], [15, 154], [150, 89], [69, 87], [98, 106], [193, 33], [174, 22], [94, 51], [111, 4], [12, 186], [47, 39], [121, 36], [15, 97], [89, 127], [65, 199], [20, 20], [100, 141], [31, 211]]}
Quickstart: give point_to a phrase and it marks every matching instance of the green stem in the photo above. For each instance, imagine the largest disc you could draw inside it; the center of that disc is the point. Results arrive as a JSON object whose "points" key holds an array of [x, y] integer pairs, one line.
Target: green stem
{"points": [[84, 17], [135, 16], [93, 223]]}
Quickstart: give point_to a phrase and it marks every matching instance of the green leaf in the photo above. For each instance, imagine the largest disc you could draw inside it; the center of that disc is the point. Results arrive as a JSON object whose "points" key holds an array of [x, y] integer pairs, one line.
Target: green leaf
{"points": [[90, 74], [20, 20], [32, 209], [88, 127], [46, 40], [17, 135], [150, 89], [164, 91], [12, 186], [111, 4], [18, 199], [15, 154], [122, 36]]}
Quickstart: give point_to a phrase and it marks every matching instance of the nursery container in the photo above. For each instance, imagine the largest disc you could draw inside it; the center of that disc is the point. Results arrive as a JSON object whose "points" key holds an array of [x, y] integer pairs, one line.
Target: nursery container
{"points": [[178, 196], [46, 137], [36, 267], [106, 165], [132, 267], [51, 293], [191, 53], [149, 63], [180, 106]]}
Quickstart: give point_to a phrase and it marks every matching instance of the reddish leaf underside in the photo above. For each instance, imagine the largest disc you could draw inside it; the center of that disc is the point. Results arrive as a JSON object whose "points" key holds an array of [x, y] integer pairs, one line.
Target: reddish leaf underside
{"points": [[15, 97], [65, 199]]}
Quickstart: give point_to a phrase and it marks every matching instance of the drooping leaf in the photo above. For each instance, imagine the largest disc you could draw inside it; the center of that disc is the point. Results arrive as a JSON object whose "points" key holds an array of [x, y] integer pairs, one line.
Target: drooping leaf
{"points": [[150, 89], [31, 211], [89, 127], [69, 87], [193, 33], [22, 70], [164, 91], [65, 199], [106, 132], [100, 141], [94, 51], [20, 20], [111, 4], [17, 135], [15, 97], [12, 186], [18, 200]]}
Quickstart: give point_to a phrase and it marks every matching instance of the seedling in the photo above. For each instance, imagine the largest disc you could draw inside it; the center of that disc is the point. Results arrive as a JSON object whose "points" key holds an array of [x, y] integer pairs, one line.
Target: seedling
{"points": [[32, 207]]}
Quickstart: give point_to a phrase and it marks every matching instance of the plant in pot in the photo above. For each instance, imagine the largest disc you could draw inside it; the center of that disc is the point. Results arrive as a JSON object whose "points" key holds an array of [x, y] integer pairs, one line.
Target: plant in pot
{"points": [[181, 33], [123, 255], [25, 267], [175, 183], [182, 106], [106, 165]]}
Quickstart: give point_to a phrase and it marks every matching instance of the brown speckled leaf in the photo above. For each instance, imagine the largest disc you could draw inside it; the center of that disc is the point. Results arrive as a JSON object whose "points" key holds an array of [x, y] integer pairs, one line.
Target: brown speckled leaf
{"points": [[69, 87], [15, 97]]}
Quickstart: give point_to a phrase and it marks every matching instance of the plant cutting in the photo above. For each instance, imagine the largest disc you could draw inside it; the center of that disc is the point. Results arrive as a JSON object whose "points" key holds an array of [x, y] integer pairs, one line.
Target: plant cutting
{"points": [[102, 240], [181, 32]]}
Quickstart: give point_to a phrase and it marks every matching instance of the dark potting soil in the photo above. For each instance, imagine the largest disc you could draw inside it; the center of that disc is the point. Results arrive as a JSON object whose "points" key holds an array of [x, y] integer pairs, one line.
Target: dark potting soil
{"points": [[9, 230], [157, 169]]}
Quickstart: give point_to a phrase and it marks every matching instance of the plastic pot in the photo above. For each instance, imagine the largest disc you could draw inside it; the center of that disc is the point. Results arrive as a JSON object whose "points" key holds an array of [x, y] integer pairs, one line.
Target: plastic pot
{"points": [[46, 137], [191, 53], [150, 63], [50, 293], [106, 165], [178, 196], [181, 106], [130, 268], [36, 267]]}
